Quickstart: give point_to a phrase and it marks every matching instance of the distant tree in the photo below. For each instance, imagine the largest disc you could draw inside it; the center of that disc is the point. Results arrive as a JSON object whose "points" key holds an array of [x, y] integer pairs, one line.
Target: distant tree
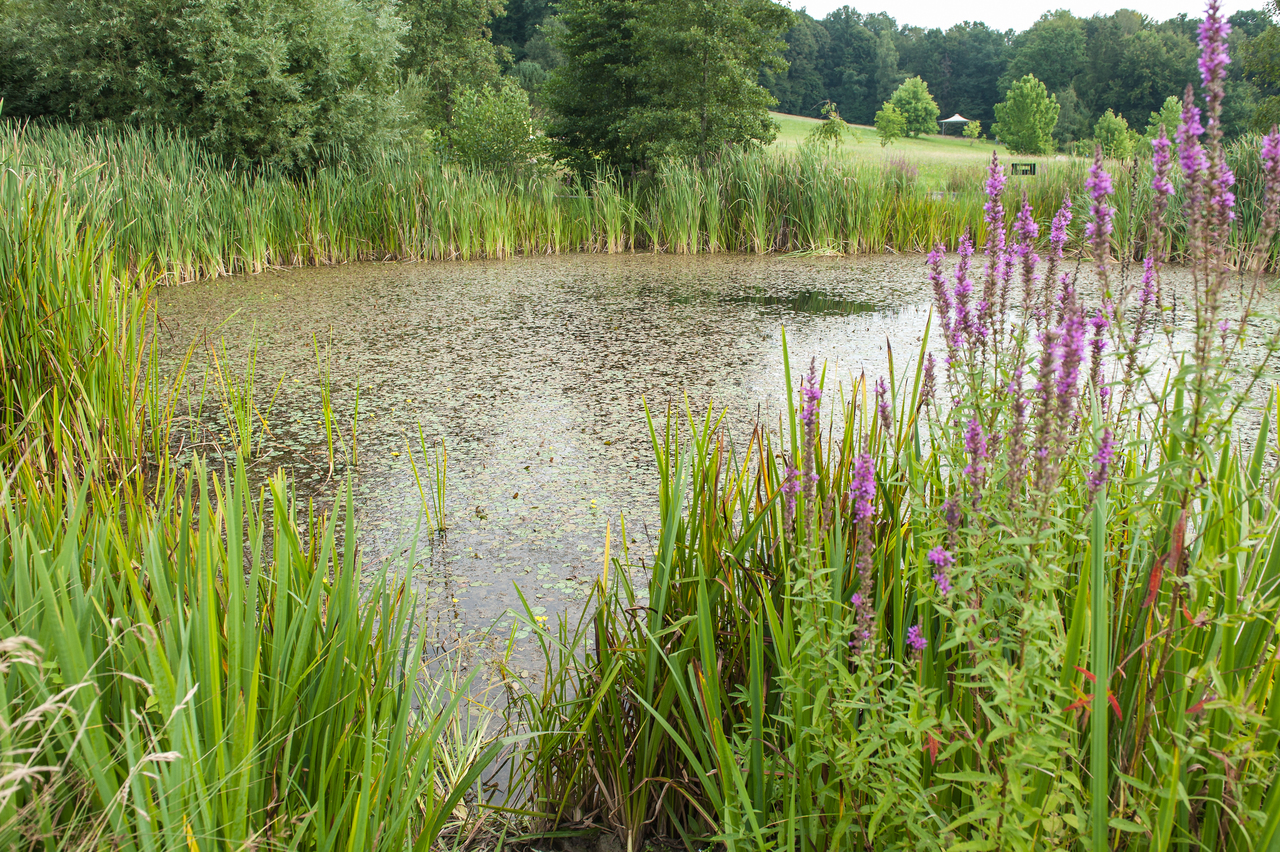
{"points": [[973, 130], [1262, 68], [917, 106], [1073, 121], [1169, 116], [800, 88], [891, 124], [887, 76], [832, 130], [1112, 134], [447, 48], [1026, 118], [961, 65], [675, 77], [1154, 65], [1053, 49]]}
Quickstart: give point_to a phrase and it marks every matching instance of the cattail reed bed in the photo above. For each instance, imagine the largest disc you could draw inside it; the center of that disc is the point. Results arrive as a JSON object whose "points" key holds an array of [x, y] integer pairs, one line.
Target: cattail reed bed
{"points": [[171, 208]]}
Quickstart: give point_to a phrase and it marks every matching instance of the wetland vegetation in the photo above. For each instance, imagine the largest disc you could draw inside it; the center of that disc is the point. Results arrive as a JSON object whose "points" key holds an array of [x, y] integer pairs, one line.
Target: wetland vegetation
{"points": [[996, 566]]}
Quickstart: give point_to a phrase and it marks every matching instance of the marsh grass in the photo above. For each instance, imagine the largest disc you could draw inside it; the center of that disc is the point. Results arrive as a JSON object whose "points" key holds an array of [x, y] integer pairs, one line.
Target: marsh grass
{"points": [[186, 661], [435, 468], [167, 207]]}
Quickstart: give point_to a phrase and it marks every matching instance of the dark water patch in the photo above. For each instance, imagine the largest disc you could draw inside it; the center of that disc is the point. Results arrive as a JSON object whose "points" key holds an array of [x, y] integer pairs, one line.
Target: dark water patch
{"points": [[807, 302]]}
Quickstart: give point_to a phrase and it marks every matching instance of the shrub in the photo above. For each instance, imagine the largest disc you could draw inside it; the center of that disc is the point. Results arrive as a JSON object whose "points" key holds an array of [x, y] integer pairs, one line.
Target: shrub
{"points": [[891, 124], [1112, 134], [917, 106], [1026, 118], [973, 131], [493, 128]]}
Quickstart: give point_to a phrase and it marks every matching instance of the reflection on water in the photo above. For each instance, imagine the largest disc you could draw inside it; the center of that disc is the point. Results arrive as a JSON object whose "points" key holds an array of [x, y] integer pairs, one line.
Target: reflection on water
{"points": [[535, 372]]}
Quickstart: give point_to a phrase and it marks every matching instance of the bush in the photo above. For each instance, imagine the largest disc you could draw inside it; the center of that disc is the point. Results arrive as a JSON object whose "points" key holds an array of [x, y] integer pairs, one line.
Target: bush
{"points": [[917, 106], [1026, 118], [493, 128], [973, 131], [891, 124], [1112, 134]]}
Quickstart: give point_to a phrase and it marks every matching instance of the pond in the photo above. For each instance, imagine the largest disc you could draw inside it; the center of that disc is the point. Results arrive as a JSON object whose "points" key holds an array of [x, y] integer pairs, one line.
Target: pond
{"points": [[535, 373]]}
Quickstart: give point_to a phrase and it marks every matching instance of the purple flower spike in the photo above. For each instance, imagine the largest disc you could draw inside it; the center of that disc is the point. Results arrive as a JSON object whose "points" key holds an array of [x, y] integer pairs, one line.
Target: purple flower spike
{"points": [[943, 583], [941, 557], [1102, 463], [975, 444], [915, 639], [863, 489], [1213, 47], [882, 404]]}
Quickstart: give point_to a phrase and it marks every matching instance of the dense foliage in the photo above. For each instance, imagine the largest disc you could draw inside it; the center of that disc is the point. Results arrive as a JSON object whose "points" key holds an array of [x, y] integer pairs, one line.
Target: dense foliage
{"points": [[646, 80], [917, 106], [274, 82], [1122, 61], [1026, 118]]}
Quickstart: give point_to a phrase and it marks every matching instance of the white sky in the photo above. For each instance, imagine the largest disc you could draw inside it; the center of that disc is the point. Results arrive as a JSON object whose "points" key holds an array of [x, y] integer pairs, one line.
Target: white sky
{"points": [[1011, 14]]}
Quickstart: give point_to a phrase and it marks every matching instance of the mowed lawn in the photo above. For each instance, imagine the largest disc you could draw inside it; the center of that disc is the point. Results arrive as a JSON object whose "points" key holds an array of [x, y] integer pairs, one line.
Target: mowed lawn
{"points": [[945, 162]]}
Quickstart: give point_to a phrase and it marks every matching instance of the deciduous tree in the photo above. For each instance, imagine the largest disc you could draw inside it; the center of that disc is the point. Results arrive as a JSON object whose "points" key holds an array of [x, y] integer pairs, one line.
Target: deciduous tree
{"points": [[1026, 118], [917, 106]]}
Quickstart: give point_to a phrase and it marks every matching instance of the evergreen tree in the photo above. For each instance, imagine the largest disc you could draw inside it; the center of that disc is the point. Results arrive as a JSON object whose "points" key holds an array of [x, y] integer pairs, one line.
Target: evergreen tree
{"points": [[644, 80]]}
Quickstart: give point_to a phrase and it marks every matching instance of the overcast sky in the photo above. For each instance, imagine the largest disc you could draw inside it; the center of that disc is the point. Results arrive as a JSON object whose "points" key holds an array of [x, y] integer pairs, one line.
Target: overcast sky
{"points": [[1012, 14]]}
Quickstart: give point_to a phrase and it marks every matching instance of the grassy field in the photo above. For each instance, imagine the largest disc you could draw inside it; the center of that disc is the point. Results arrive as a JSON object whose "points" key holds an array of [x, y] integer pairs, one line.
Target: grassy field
{"points": [[942, 161]]}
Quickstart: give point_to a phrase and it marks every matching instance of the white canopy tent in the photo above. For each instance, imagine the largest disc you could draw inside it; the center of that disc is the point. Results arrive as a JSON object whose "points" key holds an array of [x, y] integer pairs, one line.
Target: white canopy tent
{"points": [[955, 119]]}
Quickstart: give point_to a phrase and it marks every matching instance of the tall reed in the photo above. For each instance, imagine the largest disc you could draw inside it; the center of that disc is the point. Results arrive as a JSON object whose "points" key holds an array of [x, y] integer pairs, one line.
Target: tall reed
{"points": [[166, 206]]}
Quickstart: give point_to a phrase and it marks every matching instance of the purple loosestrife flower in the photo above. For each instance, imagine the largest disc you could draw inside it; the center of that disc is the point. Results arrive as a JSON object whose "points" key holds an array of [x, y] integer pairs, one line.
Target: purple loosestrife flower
{"points": [[951, 512], [975, 446], [927, 384], [1097, 344], [1271, 179], [862, 491], [941, 299], [1058, 234], [1027, 230], [1102, 463], [915, 639], [811, 396], [1213, 63], [942, 560], [1098, 231], [882, 405]]}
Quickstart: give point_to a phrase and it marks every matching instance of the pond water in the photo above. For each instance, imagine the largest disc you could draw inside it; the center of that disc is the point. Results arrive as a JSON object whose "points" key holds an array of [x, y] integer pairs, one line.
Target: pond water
{"points": [[535, 372]]}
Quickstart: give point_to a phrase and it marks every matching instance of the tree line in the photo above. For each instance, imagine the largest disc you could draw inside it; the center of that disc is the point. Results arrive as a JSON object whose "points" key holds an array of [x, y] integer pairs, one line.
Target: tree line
{"points": [[287, 83]]}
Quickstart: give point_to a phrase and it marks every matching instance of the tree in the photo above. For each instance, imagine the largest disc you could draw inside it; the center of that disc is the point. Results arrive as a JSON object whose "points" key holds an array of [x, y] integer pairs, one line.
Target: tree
{"points": [[973, 130], [1053, 49], [492, 127], [1169, 116], [447, 49], [1073, 121], [891, 124], [917, 106], [272, 82], [1262, 68], [1026, 118], [800, 88], [832, 130], [1112, 134], [887, 75], [644, 80]]}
